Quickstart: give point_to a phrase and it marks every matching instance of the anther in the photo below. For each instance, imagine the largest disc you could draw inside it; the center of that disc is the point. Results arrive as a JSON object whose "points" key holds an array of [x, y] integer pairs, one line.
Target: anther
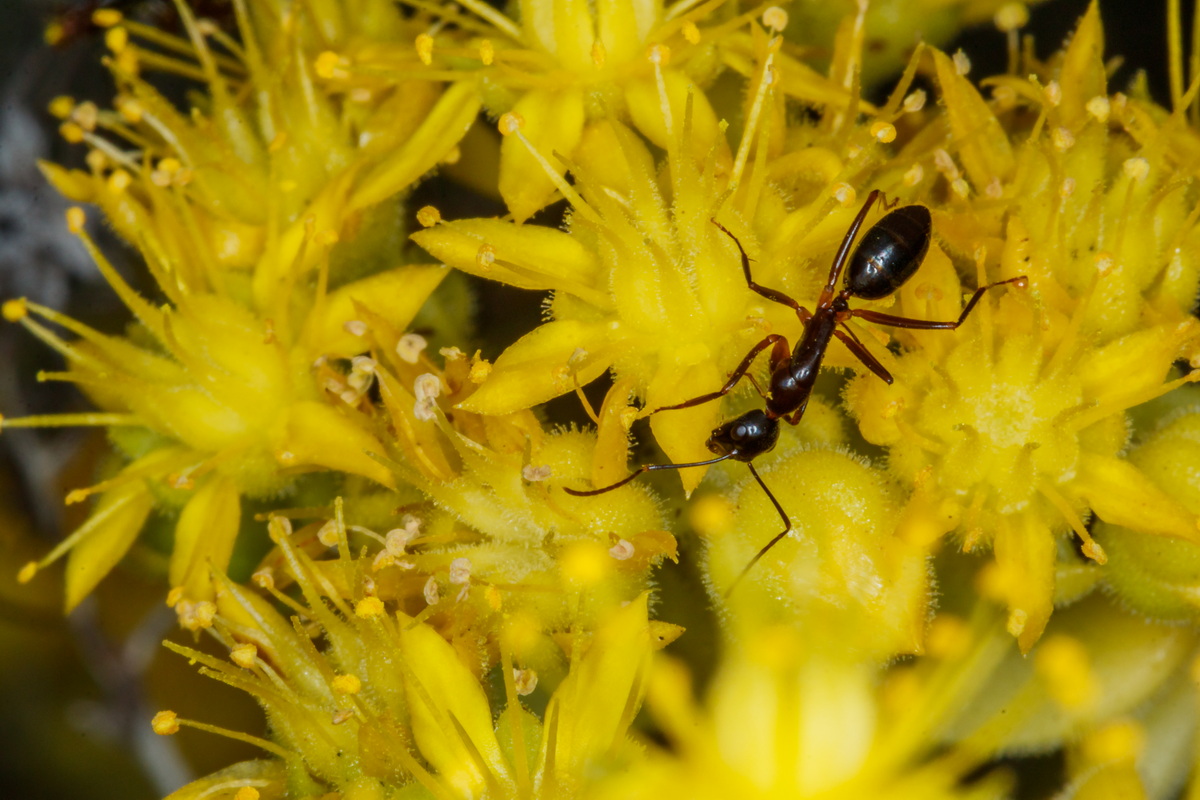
{"points": [[1011, 17], [883, 132], [428, 216], [775, 19], [962, 64], [510, 123], [424, 45]]}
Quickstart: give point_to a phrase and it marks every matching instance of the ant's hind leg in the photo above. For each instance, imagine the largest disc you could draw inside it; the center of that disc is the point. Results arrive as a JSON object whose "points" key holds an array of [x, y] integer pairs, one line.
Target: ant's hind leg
{"points": [[781, 346], [934, 325], [771, 294]]}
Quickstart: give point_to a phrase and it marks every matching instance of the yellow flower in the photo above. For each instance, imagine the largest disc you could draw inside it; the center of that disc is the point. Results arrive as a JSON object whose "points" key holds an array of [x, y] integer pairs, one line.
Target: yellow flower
{"points": [[567, 69], [389, 703], [1012, 431], [269, 219], [644, 283]]}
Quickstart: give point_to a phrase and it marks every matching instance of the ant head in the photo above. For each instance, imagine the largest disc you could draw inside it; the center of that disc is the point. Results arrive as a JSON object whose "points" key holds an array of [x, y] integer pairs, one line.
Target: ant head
{"points": [[745, 438]]}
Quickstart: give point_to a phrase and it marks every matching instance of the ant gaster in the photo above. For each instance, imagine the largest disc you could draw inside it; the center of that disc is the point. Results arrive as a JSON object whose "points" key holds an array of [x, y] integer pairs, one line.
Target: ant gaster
{"points": [[889, 253]]}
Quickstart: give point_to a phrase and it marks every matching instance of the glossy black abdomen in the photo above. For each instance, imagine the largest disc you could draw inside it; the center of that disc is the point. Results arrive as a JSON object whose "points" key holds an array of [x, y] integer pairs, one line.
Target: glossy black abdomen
{"points": [[889, 253]]}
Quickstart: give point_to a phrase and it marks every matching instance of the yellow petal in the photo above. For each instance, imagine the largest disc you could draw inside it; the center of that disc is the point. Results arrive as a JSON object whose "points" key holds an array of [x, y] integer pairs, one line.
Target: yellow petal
{"points": [[451, 719], [1082, 77], [106, 536], [595, 705], [269, 776], [623, 26], [314, 434], [428, 145], [1026, 552], [553, 123], [204, 537], [1120, 493], [681, 433], [528, 256], [395, 296], [648, 115], [982, 143], [544, 363]]}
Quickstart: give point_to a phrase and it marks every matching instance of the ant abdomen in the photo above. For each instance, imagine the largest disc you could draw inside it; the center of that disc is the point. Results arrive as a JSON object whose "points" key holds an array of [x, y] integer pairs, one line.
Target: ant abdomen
{"points": [[889, 253]]}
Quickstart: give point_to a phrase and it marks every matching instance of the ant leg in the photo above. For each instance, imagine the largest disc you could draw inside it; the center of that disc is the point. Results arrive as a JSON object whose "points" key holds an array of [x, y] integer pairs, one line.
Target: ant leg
{"points": [[787, 528], [738, 374], [839, 261], [771, 294], [641, 471], [863, 354], [932, 325]]}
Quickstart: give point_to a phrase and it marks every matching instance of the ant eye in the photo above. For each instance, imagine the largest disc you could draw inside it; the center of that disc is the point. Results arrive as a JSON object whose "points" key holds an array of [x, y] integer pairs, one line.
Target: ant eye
{"points": [[740, 432]]}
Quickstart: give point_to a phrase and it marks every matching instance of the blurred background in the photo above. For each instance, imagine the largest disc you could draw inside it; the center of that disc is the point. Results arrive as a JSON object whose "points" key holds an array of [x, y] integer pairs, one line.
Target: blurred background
{"points": [[77, 693]]}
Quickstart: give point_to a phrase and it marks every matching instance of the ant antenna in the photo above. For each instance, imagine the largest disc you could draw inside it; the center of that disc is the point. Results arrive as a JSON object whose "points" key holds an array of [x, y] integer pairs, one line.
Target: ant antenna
{"points": [[641, 471]]}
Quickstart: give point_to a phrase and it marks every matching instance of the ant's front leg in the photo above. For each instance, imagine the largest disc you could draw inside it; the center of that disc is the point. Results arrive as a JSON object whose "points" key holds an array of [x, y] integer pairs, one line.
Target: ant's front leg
{"points": [[779, 354], [771, 294]]}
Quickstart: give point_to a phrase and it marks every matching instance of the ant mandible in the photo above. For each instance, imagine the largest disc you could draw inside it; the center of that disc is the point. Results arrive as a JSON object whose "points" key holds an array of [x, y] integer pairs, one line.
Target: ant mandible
{"points": [[889, 253]]}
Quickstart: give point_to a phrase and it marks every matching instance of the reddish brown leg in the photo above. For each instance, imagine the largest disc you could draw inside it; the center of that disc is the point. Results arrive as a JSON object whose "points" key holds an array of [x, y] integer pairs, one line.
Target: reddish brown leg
{"points": [[737, 375], [932, 325]]}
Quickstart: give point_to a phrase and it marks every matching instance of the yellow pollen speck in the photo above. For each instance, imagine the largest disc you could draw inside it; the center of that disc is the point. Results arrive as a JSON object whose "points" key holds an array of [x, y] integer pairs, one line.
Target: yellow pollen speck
{"points": [[485, 257], [165, 723], [711, 515], [884, 132], [1063, 665], [585, 563], [1136, 168], [1004, 96], [487, 52], [75, 219], [914, 175], [494, 598], [1105, 263], [346, 684], [326, 237], [628, 416], [244, 655], [174, 596], [27, 572], [130, 110], [1053, 93], [119, 181], [424, 45], [246, 793], [277, 142], [1067, 188], [428, 216], [368, 607], [432, 595], [326, 64], [1118, 741], [116, 39], [62, 106], [1017, 619], [1011, 17], [915, 101], [960, 187], [994, 189], [86, 114], [949, 637], [1062, 138], [453, 155], [510, 123], [53, 33], [659, 54], [71, 132], [962, 64], [775, 19], [106, 17], [844, 193], [263, 578], [1099, 108], [623, 550], [599, 53], [480, 370], [691, 33], [14, 310]]}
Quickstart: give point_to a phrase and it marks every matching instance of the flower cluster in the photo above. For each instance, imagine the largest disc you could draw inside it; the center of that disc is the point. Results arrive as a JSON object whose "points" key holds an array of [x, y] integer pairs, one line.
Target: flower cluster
{"points": [[976, 539]]}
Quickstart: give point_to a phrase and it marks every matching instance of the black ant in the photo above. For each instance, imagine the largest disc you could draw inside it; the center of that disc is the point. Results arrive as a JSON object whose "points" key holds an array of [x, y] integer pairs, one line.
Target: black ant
{"points": [[889, 253]]}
